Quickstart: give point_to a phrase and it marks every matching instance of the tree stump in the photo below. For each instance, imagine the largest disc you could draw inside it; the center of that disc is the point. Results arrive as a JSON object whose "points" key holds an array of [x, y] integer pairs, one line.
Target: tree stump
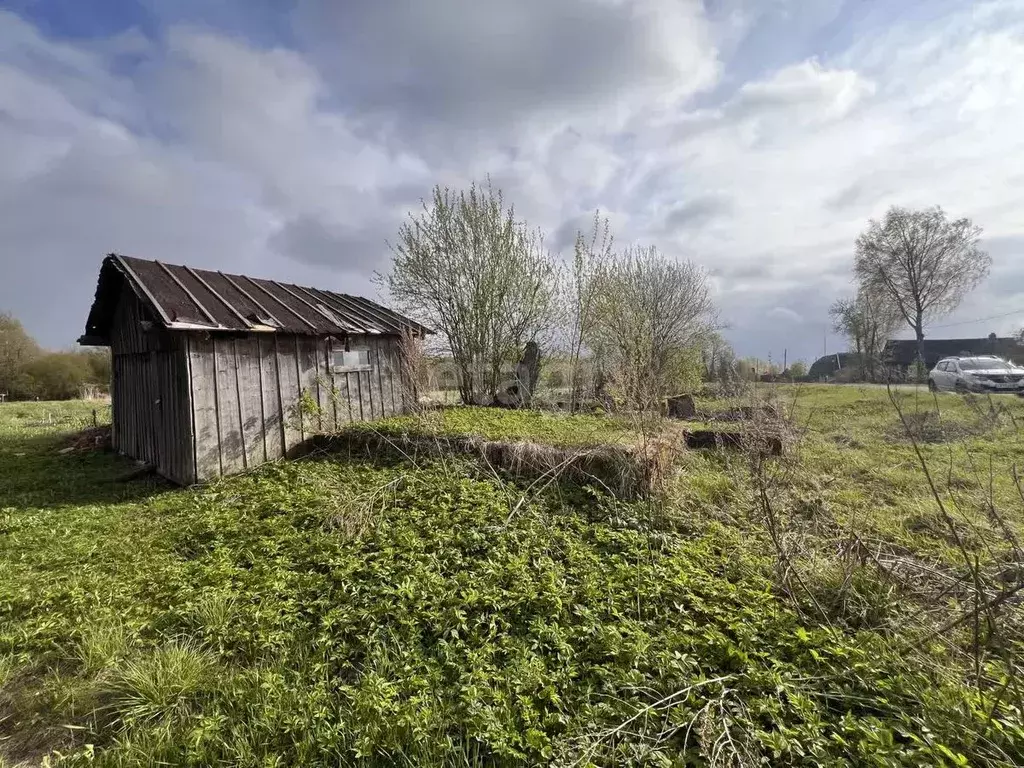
{"points": [[682, 407]]}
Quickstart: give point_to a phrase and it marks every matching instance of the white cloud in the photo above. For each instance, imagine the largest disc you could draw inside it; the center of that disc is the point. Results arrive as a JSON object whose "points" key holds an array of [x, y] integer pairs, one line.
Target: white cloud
{"points": [[299, 161]]}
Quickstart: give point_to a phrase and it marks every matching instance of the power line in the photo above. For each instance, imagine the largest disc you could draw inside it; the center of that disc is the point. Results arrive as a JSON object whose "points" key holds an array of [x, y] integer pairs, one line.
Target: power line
{"points": [[978, 320]]}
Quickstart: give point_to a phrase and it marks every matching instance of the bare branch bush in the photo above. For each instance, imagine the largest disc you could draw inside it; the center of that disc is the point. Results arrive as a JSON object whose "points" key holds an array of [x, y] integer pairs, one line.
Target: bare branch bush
{"points": [[867, 321], [842, 575]]}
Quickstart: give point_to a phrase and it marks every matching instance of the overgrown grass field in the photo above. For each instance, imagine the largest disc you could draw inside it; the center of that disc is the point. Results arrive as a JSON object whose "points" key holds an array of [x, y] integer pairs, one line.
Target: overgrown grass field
{"points": [[831, 607]]}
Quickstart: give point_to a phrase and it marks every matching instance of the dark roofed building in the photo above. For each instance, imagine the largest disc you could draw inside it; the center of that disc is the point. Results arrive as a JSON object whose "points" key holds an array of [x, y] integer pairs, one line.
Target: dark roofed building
{"points": [[208, 368], [828, 366], [902, 353]]}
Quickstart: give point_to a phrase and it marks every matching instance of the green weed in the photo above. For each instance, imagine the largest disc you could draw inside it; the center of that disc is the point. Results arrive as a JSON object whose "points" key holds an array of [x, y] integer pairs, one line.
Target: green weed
{"points": [[370, 612]]}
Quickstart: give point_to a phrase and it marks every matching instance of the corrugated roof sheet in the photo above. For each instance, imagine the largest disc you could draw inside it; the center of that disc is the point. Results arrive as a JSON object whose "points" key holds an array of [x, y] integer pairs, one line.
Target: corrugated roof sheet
{"points": [[196, 299]]}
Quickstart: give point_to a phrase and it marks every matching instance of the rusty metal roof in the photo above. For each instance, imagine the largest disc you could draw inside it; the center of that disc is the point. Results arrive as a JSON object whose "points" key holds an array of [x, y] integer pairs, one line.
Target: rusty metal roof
{"points": [[183, 298]]}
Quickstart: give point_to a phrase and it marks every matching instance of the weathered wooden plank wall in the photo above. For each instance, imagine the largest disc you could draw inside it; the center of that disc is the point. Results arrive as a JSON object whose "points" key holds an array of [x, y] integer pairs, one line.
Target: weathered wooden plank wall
{"points": [[149, 398], [199, 405], [245, 392]]}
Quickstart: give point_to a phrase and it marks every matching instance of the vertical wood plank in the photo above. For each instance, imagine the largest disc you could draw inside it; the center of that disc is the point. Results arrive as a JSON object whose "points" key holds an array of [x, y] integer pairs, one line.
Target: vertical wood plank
{"points": [[387, 406], [238, 403], [306, 365], [344, 384], [150, 408], [115, 403], [332, 380], [360, 399], [275, 427], [250, 393], [206, 421], [366, 378], [190, 372], [390, 361], [376, 405], [288, 391], [263, 404], [312, 356], [232, 445], [297, 356]]}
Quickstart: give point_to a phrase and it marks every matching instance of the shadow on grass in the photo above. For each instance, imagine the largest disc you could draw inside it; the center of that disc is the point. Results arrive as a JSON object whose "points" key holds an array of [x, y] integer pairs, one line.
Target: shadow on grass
{"points": [[34, 475]]}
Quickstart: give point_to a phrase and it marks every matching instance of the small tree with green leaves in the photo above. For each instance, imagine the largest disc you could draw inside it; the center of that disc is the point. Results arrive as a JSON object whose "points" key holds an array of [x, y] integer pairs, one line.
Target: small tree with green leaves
{"points": [[652, 313], [591, 254], [466, 266]]}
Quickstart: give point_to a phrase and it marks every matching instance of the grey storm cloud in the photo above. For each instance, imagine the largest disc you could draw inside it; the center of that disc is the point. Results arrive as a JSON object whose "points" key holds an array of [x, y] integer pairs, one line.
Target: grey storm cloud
{"points": [[697, 212], [492, 62], [313, 241]]}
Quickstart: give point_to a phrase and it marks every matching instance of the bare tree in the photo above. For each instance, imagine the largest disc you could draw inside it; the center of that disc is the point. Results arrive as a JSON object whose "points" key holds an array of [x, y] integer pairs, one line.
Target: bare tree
{"points": [[580, 286], [921, 262], [483, 279], [716, 355], [652, 313], [867, 320]]}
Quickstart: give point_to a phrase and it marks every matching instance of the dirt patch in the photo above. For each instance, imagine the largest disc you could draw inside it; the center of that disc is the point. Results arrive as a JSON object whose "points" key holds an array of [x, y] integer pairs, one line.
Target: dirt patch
{"points": [[27, 735], [625, 471], [91, 439]]}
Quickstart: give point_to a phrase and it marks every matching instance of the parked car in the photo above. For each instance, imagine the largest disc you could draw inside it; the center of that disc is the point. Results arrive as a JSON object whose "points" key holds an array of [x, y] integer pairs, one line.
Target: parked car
{"points": [[981, 373]]}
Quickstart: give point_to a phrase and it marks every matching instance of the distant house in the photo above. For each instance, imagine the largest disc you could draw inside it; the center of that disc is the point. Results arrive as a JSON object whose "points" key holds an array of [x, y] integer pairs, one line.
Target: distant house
{"points": [[902, 353], [828, 366], [208, 367]]}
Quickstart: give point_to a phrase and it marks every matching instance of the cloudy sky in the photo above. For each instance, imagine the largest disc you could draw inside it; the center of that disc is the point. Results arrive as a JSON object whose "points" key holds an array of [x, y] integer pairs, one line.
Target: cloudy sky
{"points": [[289, 139]]}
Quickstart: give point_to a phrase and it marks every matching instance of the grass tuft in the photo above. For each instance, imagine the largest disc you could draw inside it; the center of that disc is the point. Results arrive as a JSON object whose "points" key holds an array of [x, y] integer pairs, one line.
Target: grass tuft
{"points": [[161, 687]]}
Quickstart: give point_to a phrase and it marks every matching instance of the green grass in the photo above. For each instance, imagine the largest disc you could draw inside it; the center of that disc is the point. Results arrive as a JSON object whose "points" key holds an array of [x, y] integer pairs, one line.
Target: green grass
{"points": [[340, 612], [552, 428], [511, 425]]}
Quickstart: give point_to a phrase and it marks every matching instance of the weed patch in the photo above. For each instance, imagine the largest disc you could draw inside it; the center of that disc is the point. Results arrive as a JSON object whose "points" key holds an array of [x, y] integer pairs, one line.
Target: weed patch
{"points": [[383, 607]]}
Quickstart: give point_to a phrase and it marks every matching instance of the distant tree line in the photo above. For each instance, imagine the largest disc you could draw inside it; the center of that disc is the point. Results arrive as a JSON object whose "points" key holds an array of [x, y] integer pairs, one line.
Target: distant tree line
{"points": [[28, 372]]}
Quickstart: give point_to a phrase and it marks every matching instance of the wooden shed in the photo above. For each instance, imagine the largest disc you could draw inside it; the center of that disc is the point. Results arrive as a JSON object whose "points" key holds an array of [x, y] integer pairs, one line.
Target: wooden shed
{"points": [[209, 368]]}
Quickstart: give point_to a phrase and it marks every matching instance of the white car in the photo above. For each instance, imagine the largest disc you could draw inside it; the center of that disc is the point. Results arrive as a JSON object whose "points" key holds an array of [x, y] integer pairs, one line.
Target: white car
{"points": [[981, 373]]}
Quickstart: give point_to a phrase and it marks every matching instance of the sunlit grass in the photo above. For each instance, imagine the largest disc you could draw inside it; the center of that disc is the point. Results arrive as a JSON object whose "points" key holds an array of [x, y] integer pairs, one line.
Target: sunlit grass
{"points": [[342, 612]]}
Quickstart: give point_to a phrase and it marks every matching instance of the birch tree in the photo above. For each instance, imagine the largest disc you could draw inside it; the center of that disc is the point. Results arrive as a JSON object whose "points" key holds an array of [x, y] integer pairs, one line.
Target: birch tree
{"points": [[465, 266], [921, 262]]}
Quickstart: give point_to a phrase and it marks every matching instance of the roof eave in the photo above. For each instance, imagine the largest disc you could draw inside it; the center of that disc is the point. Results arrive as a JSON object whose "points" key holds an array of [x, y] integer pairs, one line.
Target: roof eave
{"points": [[93, 341]]}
